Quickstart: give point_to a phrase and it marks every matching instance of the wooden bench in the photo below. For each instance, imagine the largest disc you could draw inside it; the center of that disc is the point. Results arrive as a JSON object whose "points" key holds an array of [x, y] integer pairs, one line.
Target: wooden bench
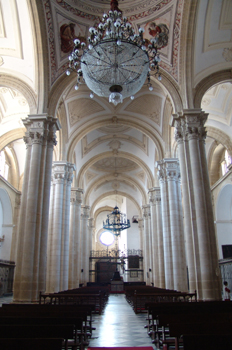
{"points": [[74, 299], [81, 316], [64, 331], [162, 314], [178, 330], [207, 341], [31, 343]]}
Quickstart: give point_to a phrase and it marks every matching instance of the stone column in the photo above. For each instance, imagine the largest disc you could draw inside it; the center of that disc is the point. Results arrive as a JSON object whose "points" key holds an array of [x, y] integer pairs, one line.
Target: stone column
{"points": [[159, 228], [85, 244], [155, 260], [157, 238], [146, 244], [141, 231], [58, 247], [190, 127], [32, 234], [91, 228], [167, 243], [74, 238]]}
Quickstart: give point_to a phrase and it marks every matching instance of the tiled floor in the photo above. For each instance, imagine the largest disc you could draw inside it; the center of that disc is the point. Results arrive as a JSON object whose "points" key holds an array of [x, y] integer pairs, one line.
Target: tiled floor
{"points": [[119, 326]]}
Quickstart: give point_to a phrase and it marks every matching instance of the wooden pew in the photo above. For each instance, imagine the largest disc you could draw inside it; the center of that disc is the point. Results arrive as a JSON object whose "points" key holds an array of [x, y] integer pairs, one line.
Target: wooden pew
{"points": [[42, 331], [161, 314], [74, 299], [213, 327], [59, 311], [29, 343], [207, 341]]}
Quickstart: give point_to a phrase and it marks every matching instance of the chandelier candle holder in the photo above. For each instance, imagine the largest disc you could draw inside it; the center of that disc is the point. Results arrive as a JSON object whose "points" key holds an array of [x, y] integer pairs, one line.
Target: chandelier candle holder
{"points": [[116, 61], [116, 222]]}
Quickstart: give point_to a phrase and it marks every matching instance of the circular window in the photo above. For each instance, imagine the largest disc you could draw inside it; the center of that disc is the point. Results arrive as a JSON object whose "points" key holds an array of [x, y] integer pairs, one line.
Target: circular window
{"points": [[107, 238]]}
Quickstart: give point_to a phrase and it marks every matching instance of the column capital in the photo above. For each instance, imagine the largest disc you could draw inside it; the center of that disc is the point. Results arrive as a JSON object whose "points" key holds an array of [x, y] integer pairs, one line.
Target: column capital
{"points": [[168, 169], [76, 195], [85, 209], [43, 125], [146, 211], [91, 223], [189, 124], [154, 195], [63, 170], [140, 224]]}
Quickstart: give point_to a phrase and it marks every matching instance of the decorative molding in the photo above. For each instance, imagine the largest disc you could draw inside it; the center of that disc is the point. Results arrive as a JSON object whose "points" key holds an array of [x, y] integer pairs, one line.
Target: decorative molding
{"points": [[86, 148]]}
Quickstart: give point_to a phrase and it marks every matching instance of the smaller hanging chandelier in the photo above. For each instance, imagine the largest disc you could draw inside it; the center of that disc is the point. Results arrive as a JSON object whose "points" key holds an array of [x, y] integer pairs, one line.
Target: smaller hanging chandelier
{"points": [[117, 61], [116, 222]]}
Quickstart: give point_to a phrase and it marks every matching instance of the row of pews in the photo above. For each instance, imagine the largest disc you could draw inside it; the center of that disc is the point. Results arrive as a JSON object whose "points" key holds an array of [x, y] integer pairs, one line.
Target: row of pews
{"points": [[138, 296], [78, 296], [181, 322], [53, 323]]}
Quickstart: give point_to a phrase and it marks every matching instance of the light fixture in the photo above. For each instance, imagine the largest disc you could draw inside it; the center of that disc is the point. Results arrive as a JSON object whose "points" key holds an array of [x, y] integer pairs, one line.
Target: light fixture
{"points": [[116, 222], [117, 61]]}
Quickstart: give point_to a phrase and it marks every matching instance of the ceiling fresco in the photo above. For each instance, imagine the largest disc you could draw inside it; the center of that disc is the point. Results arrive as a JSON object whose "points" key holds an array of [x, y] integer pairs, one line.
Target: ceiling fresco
{"points": [[67, 20]]}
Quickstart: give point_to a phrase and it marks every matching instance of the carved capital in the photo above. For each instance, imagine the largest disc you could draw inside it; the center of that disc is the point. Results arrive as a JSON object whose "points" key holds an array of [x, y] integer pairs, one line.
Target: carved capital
{"points": [[189, 125], [76, 196], [168, 170], [146, 211]]}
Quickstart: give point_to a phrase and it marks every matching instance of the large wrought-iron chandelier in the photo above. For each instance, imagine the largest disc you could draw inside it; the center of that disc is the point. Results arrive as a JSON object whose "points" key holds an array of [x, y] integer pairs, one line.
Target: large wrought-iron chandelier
{"points": [[116, 61], [116, 222]]}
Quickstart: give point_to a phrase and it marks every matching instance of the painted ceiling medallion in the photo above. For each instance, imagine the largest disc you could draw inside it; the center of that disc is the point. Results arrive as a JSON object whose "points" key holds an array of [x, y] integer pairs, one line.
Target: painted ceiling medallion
{"points": [[117, 62]]}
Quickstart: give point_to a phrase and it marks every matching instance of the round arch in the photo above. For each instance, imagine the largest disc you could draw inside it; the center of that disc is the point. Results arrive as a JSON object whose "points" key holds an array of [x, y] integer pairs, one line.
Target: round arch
{"points": [[220, 137], [10, 136], [109, 178], [18, 84], [111, 193], [129, 121], [125, 155], [206, 83]]}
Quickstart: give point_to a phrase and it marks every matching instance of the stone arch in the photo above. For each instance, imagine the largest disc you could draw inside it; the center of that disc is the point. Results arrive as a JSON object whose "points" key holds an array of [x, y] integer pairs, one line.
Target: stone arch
{"points": [[221, 137], [18, 84], [120, 154], [208, 82], [129, 121], [110, 177], [107, 194], [11, 136]]}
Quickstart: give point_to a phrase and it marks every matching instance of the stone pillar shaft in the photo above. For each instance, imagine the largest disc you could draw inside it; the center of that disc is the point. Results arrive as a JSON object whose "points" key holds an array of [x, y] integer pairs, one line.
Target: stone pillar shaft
{"points": [[58, 247], [146, 244], [189, 127], [85, 244], [74, 240], [175, 257], [30, 264]]}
